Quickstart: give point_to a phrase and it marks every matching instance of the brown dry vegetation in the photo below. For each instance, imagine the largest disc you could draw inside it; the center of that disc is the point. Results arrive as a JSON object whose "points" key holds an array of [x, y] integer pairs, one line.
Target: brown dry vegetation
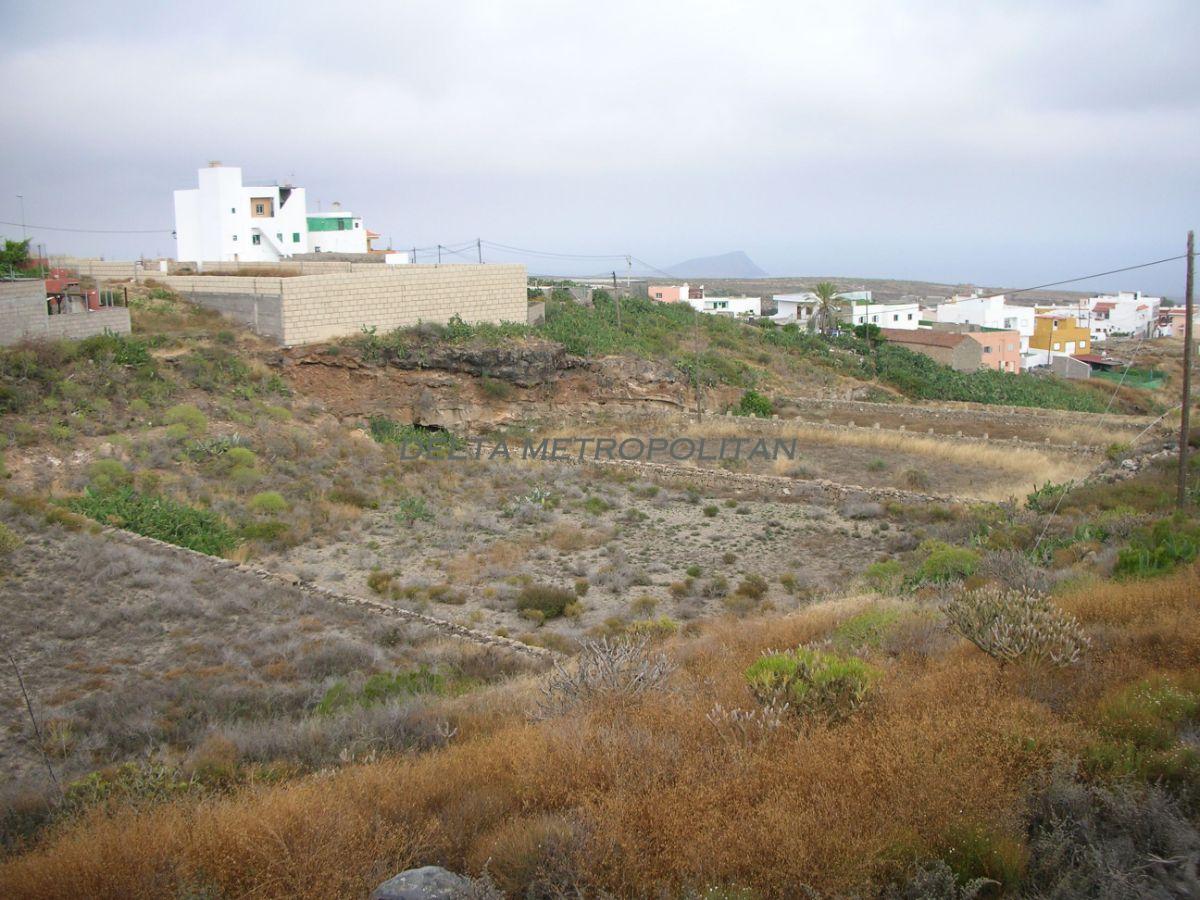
{"points": [[640, 797]]}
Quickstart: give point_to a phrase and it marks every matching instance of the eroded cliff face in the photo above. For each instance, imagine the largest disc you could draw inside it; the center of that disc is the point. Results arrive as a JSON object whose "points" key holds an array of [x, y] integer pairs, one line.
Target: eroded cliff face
{"points": [[466, 387]]}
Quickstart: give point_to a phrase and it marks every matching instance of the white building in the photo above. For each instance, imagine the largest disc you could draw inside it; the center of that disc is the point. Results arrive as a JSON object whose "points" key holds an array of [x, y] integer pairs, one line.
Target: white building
{"points": [[224, 220], [857, 309], [1126, 313], [989, 312], [727, 306]]}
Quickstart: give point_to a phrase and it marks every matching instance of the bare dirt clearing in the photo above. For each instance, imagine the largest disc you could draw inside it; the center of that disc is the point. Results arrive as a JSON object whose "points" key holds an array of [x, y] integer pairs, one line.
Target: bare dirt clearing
{"points": [[472, 536]]}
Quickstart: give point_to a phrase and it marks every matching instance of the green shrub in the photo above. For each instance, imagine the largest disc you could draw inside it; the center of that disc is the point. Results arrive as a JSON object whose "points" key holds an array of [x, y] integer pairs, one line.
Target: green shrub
{"points": [[240, 456], [546, 599], [189, 417], [1116, 451], [711, 511], [411, 508], [9, 540], [812, 682], [596, 505], [884, 577], [380, 688], [158, 517], [752, 586], [1159, 549], [352, 497], [754, 404], [946, 563], [269, 530], [268, 502], [107, 474], [379, 581], [866, 629]]}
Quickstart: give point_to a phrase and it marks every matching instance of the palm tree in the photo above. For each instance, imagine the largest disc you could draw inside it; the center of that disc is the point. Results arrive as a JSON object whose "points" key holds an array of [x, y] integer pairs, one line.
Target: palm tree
{"points": [[829, 307]]}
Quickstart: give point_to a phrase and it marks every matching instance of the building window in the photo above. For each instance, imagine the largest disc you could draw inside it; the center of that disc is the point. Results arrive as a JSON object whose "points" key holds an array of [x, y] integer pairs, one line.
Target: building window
{"points": [[341, 224], [295, 237], [256, 239], [235, 237], [987, 348], [896, 317], [233, 209], [910, 317], [279, 236], [357, 224]]}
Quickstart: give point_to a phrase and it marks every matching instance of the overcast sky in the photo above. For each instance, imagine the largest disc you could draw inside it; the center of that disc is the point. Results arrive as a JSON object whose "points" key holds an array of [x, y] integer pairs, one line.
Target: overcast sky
{"points": [[1000, 143]]}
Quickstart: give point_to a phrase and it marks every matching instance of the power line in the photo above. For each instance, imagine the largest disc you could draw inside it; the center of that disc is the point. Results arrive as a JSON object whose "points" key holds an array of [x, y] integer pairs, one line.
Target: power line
{"points": [[1145, 265], [93, 230], [552, 254]]}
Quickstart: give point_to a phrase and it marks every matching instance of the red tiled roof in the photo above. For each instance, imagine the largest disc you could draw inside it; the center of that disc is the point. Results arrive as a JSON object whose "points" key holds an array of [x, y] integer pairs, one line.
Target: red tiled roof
{"points": [[1104, 307]]}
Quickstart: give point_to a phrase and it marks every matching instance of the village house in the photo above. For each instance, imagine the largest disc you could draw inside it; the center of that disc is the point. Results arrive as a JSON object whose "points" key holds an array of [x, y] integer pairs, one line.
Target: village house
{"points": [[224, 220], [959, 351], [1172, 321], [1001, 349], [854, 308], [1057, 334], [988, 312], [698, 300]]}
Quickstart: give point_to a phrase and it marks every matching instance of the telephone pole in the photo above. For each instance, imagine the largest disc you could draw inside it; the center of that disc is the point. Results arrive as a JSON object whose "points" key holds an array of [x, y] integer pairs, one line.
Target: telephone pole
{"points": [[617, 298], [439, 254], [479, 249], [1185, 418]]}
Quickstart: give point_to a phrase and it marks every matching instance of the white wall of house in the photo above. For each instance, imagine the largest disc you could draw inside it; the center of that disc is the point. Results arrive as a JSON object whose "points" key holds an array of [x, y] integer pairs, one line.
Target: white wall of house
{"points": [[348, 237], [728, 306], [989, 312], [1124, 313], [223, 220], [887, 315]]}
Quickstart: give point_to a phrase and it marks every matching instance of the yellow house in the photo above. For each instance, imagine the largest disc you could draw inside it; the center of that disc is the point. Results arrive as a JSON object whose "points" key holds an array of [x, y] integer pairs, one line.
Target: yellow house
{"points": [[1059, 334]]}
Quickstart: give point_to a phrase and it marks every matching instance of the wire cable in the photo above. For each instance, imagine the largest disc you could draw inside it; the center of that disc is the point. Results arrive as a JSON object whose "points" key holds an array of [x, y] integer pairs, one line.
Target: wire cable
{"points": [[90, 230]]}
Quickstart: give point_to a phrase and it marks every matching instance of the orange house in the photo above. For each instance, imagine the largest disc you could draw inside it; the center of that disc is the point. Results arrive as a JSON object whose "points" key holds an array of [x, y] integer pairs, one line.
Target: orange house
{"points": [[1054, 333], [1001, 349]]}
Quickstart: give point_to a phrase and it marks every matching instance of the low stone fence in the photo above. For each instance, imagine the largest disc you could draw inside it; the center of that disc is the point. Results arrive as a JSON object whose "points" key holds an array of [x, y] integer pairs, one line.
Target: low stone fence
{"points": [[980, 412]]}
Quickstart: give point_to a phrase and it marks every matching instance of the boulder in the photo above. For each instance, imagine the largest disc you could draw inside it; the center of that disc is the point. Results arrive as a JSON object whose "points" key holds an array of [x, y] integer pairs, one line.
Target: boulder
{"points": [[425, 883]]}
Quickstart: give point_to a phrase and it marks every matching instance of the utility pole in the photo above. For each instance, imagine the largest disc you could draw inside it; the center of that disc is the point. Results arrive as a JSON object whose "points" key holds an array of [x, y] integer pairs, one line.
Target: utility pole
{"points": [[414, 255], [696, 366], [617, 295], [439, 254], [1185, 418], [21, 197], [479, 249]]}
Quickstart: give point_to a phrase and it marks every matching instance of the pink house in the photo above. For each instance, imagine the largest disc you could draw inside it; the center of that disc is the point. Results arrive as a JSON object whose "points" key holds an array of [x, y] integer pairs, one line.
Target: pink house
{"points": [[1001, 349], [675, 293]]}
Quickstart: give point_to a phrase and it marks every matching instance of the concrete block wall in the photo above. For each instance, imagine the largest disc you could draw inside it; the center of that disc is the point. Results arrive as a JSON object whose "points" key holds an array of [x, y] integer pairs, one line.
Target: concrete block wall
{"points": [[23, 316], [321, 307]]}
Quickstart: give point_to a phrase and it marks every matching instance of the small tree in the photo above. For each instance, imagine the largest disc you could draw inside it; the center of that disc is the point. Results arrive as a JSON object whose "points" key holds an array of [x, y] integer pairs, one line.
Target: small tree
{"points": [[15, 254], [829, 304]]}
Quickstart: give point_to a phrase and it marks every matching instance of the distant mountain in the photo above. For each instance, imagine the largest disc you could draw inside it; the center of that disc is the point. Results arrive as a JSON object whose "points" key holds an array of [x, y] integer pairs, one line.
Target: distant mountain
{"points": [[727, 265]]}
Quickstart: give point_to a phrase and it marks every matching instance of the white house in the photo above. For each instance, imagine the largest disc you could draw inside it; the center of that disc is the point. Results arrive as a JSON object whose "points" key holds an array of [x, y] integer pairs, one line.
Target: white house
{"points": [[800, 308], [1123, 313], [989, 312], [224, 220], [728, 306]]}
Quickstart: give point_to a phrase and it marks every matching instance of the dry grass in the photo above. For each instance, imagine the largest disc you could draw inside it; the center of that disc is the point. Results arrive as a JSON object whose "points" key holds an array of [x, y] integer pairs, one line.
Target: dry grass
{"points": [[641, 797]]}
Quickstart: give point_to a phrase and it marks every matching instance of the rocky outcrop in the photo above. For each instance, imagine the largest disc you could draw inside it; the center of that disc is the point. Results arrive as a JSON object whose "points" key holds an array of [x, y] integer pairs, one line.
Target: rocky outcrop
{"points": [[528, 363], [425, 883]]}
